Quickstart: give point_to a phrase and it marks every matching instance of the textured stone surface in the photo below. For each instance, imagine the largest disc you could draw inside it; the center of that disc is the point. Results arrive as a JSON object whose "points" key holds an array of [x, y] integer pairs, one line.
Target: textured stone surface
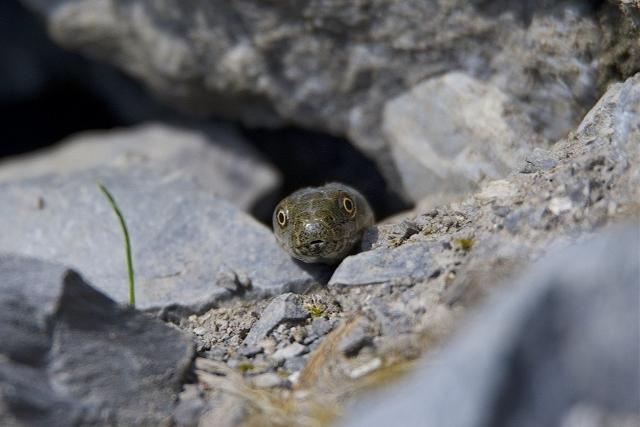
{"points": [[284, 308], [631, 8], [289, 351], [181, 236], [538, 160], [333, 65], [533, 353], [215, 157], [338, 67], [586, 180], [450, 133], [72, 356], [470, 249], [355, 340], [405, 264], [268, 380]]}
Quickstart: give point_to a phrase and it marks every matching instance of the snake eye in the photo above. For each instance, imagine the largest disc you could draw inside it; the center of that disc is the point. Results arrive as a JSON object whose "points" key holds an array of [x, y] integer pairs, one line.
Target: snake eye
{"points": [[281, 216], [348, 205]]}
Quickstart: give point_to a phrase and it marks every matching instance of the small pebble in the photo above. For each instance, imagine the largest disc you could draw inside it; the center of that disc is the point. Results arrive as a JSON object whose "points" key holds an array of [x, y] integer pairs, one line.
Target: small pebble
{"points": [[321, 326], [295, 364], [354, 341], [250, 351], [269, 380], [558, 205], [289, 351], [365, 369]]}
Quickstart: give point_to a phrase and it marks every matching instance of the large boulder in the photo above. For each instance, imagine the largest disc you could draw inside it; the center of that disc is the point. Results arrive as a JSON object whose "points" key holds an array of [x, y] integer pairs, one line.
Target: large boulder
{"points": [[215, 157], [72, 356], [453, 132], [561, 345], [190, 249], [582, 183], [333, 65]]}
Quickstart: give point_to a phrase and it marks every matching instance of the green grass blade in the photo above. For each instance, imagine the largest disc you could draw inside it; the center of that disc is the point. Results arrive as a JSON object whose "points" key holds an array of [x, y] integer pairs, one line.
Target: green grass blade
{"points": [[127, 242]]}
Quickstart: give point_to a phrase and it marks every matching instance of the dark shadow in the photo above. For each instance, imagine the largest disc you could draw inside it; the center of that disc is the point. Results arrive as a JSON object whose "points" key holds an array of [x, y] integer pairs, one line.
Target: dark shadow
{"points": [[307, 158], [320, 272]]}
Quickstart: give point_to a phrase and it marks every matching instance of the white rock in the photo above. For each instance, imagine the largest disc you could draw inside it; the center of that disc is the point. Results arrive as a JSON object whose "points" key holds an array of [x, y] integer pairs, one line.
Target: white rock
{"points": [[268, 380], [499, 189], [289, 351], [449, 133], [365, 369], [558, 205]]}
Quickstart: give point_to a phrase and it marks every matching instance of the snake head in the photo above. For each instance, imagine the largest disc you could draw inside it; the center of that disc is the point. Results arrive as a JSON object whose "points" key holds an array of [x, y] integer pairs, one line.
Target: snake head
{"points": [[321, 224]]}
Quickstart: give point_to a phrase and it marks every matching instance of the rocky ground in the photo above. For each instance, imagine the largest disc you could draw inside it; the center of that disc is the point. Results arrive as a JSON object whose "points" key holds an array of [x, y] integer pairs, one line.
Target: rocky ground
{"points": [[509, 295]]}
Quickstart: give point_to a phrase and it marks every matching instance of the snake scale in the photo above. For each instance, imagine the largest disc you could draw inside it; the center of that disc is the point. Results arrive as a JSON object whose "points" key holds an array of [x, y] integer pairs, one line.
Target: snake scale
{"points": [[322, 224]]}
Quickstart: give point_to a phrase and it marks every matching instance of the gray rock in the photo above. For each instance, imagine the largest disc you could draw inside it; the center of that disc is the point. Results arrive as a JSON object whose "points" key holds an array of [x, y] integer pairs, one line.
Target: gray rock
{"points": [[321, 326], [290, 351], [355, 340], [333, 66], [392, 321], [72, 356], [215, 157], [546, 43], [586, 415], [401, 265], [250, 351], [180, 234], [190, 407], [538, 160], [534, 352], [231, 280], [269, 380], [451, 132], [283, 308], [295, 364], [596, 179]]}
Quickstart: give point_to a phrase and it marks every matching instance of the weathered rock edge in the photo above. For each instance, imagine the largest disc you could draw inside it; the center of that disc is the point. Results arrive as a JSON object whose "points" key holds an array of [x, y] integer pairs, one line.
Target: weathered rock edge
{"points": [[334, 65], [72, 356], [587, 180], [563, 336], [183, 238]]}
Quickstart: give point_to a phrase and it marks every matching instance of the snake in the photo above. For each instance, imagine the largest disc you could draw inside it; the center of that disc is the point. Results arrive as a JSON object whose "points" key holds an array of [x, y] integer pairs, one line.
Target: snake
{"points": [[322, 224]]}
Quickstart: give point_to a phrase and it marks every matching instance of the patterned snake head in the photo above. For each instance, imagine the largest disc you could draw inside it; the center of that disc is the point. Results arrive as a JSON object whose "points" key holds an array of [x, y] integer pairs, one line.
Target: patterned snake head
{"points": [[321, 224]]}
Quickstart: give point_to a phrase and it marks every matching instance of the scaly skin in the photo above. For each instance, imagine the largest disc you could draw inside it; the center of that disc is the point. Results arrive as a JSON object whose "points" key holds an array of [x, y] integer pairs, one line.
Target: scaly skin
{"points": [[321, 224]]}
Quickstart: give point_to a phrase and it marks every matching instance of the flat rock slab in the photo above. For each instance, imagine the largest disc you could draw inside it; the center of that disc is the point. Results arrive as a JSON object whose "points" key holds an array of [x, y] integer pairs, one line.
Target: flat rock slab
{"points": [[182, 237], [216, 157], [72, 356], [565, 338], [404, 264]]}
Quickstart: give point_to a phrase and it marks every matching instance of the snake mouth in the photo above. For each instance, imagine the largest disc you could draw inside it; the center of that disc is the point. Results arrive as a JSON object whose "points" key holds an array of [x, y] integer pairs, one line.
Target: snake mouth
{"points": [[314, 247], [318, 250]]}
